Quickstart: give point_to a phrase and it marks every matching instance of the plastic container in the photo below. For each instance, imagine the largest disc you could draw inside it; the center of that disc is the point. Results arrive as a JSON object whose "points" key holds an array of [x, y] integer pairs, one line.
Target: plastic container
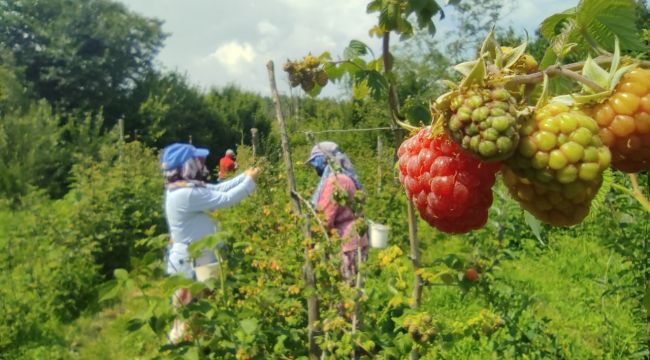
{"points": [[378, 235], [206, 272]]}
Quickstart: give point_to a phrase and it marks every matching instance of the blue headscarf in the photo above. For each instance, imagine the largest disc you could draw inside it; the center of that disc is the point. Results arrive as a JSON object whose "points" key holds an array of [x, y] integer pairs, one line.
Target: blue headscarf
{"points": [[326, 155]]}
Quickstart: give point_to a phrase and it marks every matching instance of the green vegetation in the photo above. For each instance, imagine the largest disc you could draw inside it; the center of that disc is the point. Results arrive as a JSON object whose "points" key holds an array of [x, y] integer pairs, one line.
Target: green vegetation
{"points": [[82, 231]]}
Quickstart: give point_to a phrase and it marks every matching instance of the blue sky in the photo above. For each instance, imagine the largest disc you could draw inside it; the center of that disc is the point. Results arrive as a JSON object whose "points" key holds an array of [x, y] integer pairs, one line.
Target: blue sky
{"points": [[219, 42]]}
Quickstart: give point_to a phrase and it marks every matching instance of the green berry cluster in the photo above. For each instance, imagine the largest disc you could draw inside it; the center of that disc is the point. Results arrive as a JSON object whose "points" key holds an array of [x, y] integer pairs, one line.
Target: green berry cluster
{"points": [[306, 73], [484, 122]]}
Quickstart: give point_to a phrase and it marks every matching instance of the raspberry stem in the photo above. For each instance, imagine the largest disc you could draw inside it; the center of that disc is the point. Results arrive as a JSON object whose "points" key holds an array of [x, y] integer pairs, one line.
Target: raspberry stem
{"points": [[638, 194], [564, 70], [635, 192]]}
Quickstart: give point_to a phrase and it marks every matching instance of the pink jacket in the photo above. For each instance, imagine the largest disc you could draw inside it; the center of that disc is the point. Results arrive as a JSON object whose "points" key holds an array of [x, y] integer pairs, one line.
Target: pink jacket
{"points": [[339, 217]]}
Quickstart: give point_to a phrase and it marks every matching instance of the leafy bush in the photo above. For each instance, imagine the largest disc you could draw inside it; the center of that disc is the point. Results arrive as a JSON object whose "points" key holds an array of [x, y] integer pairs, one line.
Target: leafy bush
{"points": [[49, 277], [117, 200]]}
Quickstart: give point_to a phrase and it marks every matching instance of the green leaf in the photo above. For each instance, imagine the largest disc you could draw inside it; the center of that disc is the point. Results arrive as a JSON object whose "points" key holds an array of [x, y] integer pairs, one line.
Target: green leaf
{"points": [[646, 300], [404, 28], [605, 19], [208, 242], [417, 114], [562, 43], [360, 90], [377, 64], [476, 75], [592, 71], [552, 25], [248, 325], [373, 6], [134, 324], [315, 90], [549, 59], [511, 59], [535, 226], [424, 12], [109, 290], [465, 68], [192, 353], [448, 278], [325, 57], [121, 275], [491, 47], [355, 49], [377, 83], [279, 347], [334, 72], [417, 5]]}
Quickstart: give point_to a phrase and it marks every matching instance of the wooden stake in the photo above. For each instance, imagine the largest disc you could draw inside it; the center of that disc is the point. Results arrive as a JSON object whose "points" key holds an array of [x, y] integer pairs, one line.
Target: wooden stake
{"points": [[255, 142], [380, 150], [120, 123], [308, 270], [393, 103]]}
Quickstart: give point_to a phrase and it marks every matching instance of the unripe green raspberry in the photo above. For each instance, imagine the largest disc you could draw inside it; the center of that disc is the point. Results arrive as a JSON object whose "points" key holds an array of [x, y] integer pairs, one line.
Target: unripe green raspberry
{"points": [[560, 146], [488, 114]]}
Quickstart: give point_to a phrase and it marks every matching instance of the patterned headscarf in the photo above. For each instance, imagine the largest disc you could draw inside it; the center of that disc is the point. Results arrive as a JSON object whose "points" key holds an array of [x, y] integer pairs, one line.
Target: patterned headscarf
{"points": [[192, 173], [327, 156]]}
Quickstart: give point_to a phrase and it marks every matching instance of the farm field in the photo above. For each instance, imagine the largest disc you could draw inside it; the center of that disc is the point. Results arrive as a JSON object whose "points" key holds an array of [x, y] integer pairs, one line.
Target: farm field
{"points": [[512, 171]]}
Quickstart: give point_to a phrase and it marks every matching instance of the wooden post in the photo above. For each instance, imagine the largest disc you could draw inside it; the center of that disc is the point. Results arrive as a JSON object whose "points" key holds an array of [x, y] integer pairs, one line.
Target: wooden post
{"points": [[380, 150], [255, 141], [393, 103], [308, 270], [120, 123]]}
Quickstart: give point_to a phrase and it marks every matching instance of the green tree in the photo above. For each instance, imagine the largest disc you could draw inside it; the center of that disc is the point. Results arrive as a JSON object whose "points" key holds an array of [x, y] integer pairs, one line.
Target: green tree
{"points": [[79, 54], [28, 149]]}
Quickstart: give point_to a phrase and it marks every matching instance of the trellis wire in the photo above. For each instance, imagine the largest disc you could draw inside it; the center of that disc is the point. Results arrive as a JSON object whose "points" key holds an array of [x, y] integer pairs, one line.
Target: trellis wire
{"points": [[348, 130]]}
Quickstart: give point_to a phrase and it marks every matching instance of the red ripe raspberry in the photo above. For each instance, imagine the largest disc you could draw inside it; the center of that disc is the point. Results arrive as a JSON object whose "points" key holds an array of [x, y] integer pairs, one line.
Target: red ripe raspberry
{"points": [[451, 189]]}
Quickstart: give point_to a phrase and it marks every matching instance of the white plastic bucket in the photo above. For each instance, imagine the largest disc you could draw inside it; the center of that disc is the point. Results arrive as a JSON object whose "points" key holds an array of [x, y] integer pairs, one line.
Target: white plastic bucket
{"points": [[378, 235], [206, 272]]}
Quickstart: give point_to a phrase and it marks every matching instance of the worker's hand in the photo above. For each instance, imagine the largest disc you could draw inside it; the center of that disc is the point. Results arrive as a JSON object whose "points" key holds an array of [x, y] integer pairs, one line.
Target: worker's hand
{"points": [[253, 172]]}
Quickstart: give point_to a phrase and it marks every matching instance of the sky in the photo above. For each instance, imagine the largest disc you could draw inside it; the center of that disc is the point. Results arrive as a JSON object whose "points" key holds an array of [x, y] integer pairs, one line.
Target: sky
{"points": [[221, 42]]}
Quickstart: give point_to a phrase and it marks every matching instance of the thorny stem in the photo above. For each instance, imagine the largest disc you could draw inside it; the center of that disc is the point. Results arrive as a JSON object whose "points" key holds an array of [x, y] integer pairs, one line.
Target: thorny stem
{"points": [[313, 212], [539, 76], [565, 70], [393, 102], [407, 126], [638, 194], [575, 76], [633, 193]]}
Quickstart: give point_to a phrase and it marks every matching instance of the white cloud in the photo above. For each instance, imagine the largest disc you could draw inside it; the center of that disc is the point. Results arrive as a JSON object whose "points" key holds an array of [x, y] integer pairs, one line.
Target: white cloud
{"points": [[233, 54], [254, 32], [267, 28]]}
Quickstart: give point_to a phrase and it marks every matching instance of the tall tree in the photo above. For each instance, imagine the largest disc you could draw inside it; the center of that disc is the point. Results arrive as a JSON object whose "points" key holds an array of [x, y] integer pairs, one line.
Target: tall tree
{"points": [[79, 54]]}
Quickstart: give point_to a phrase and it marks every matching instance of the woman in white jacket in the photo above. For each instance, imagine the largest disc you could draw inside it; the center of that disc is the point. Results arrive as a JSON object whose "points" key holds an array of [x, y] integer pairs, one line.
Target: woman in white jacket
{"points": [[188, 201]]}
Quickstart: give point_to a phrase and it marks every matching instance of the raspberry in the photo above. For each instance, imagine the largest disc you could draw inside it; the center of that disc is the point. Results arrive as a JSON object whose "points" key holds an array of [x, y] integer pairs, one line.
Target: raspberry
{"points": [[484, 122], [560, 145], [555, 204], [451, 189], [624, 121]]}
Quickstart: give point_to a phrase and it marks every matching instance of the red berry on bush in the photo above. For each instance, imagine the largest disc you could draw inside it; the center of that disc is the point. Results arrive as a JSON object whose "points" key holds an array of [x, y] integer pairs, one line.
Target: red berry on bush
{"points": [[471, 274], [451, 189]]}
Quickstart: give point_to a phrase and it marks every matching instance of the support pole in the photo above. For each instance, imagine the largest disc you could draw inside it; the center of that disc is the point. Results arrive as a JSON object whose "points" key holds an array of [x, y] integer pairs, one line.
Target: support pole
{"points": [[393, 103], [308, 270], [380, 150], [255, 142]]}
